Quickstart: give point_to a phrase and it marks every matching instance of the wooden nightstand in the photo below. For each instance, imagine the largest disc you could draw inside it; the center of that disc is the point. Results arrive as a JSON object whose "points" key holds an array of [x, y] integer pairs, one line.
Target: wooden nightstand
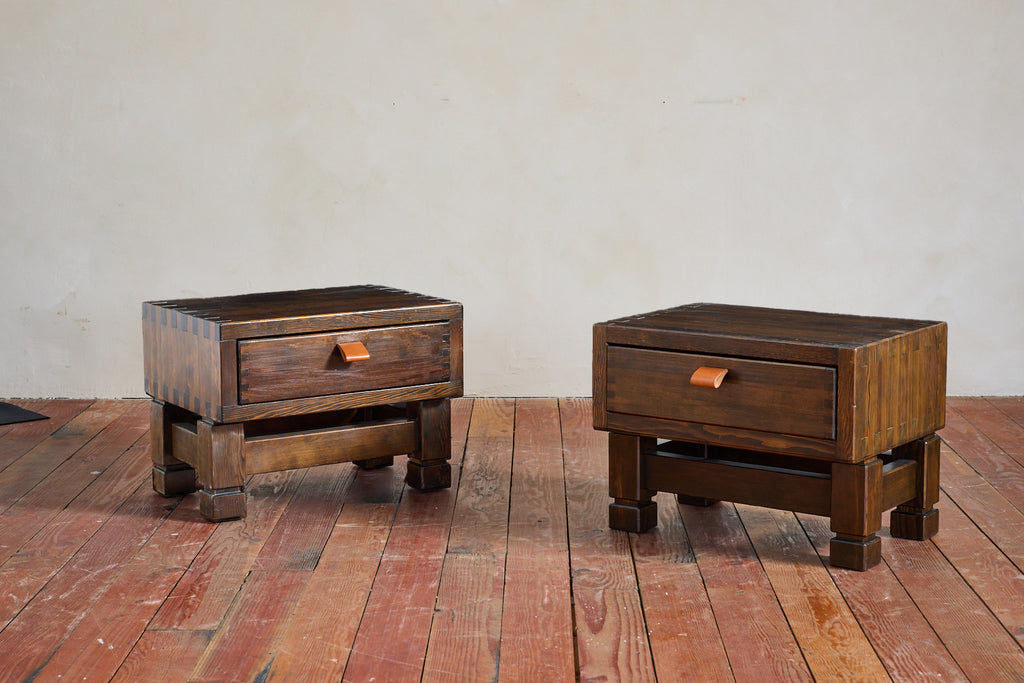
{"points": [[826, 414], [266, 382]]}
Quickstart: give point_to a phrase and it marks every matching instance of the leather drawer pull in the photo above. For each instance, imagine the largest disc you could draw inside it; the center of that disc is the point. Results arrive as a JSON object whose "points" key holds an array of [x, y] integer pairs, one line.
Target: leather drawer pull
{"points": [[352, 351], [708, 377]]}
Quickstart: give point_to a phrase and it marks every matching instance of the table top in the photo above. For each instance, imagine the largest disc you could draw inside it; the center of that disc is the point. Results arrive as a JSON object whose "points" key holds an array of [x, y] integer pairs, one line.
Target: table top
{"points": [[308, 310], [772, 325]]}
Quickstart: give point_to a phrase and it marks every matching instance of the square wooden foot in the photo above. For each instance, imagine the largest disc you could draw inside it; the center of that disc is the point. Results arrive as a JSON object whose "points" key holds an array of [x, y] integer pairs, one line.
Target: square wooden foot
{"points": [[632, 507], [917, 526], [855, 554], [218, 506], [856, 505], [375, 463], [435, 475], [428, 466], [174, 480], [637, 518], [917, 519]]}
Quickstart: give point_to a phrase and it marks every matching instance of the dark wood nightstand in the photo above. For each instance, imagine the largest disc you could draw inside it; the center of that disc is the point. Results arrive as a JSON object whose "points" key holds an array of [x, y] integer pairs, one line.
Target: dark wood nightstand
{"points": [[831, 415], [266, 382]]}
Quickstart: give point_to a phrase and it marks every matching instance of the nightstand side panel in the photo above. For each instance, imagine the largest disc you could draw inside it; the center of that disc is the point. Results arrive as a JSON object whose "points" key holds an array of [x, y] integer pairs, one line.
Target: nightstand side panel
{"points": [[901, 390], [455, 353], [600, 377], [182, 360]]}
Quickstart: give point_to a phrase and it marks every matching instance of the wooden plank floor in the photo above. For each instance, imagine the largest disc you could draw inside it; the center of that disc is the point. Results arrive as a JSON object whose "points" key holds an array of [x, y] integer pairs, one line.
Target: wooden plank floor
{"points": [[511, 575]]}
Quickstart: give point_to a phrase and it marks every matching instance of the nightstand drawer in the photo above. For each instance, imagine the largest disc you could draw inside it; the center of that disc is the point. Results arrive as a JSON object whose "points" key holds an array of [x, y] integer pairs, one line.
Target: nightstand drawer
{"points": [[784, 398], [301, 366]]}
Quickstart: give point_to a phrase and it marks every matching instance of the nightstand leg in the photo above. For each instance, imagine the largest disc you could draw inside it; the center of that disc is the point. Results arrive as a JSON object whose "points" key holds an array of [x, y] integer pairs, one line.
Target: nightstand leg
{"points": [[220, 470], [428, 467], [633, 507], [918, 519], [856, 514], [171, 477]]}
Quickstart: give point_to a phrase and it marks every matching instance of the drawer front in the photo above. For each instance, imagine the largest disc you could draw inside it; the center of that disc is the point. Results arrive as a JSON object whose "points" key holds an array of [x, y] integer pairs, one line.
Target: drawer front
{"points": [[302, 366], [784, 398]]}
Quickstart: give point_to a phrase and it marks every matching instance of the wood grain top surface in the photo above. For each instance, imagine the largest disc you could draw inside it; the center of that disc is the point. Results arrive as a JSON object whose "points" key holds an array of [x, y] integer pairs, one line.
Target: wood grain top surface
{"points": [[301, 303], [769, 324]]}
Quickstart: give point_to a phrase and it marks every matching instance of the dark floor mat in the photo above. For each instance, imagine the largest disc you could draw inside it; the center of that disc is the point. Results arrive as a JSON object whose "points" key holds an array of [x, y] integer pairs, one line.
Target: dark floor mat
{"points": [[10, 414]]}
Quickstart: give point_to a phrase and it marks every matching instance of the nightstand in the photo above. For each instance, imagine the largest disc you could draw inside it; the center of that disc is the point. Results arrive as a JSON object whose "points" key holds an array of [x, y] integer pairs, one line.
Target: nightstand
{"points": [[832, 415], [282, 380]]}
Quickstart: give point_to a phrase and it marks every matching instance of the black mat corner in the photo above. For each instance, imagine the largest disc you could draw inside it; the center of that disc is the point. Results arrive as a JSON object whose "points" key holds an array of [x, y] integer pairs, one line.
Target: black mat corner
{"points": [[9, 414]]}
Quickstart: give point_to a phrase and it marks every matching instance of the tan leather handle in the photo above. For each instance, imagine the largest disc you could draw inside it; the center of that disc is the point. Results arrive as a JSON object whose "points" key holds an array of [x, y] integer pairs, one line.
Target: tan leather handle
{"points": [[352, 351], [708, 377]]}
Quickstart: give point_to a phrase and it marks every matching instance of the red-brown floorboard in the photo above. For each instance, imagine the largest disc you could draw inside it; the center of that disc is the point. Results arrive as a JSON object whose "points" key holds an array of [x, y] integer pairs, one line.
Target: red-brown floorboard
{"points": [[512, 574]]}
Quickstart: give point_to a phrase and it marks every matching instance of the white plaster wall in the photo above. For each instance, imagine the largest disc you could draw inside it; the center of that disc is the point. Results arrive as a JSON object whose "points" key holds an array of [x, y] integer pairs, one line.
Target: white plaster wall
{"points": [[548, 163]]}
